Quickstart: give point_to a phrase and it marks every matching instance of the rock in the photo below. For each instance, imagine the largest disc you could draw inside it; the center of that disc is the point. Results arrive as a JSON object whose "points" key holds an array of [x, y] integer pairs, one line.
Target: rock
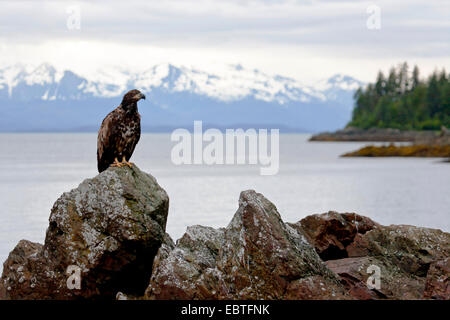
{"points": [[411, 249], [394, 284], [256, 256], [432, 150], [377, 134], [106, 240], [437, 282], [402, 253], [330, 233], [23, 269], [164, 250], [108, 230], [353, 273]]}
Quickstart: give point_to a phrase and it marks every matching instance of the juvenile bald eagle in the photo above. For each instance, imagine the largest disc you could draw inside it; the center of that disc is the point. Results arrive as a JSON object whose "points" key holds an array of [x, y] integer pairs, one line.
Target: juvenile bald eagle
{"points": [[119, 133]]}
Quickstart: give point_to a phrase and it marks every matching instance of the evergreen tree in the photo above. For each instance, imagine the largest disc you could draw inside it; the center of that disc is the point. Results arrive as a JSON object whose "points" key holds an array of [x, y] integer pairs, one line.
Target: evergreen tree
{"points": [[445, 100], [443, 77], [403, 78], [380, 84], [433, 99], [391, 84], [415, 77], [403, 101]]}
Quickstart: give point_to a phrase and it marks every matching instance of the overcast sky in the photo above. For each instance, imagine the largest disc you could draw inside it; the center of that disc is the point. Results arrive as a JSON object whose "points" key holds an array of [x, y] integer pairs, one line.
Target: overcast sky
{"points": [[306, 40]]}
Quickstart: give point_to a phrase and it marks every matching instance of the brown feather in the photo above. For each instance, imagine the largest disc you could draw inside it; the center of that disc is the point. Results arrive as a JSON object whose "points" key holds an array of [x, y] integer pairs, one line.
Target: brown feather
{"points": [[119, 133]]}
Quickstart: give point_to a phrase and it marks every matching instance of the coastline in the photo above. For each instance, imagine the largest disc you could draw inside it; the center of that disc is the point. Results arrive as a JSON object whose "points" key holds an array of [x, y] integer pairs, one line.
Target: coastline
{"points": [[375, 135], [420, 150], [430, 144], [111, 233]]}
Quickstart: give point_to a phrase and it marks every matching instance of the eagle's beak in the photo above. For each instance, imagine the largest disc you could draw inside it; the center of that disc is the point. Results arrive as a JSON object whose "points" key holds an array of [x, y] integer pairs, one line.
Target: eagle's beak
{"points": [[139, 96]]}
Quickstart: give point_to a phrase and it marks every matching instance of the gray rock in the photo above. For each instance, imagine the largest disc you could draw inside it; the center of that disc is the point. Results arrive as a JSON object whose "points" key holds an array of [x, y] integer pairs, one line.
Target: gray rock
{"points": [[403, 254], [109, 229], [256, 256]]}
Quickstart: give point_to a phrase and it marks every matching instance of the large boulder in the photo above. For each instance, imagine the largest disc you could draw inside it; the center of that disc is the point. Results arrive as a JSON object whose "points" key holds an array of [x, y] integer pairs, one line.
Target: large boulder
{"points": [[107, 231], [330, 233], [354, 246], [356, 273], [411, 249], [256, 256], [406, 254]]}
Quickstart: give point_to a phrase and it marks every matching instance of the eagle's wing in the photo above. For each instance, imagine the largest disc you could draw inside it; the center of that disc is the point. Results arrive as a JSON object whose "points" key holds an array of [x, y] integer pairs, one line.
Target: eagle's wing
{"points": [[137, 135], [106, 143]]}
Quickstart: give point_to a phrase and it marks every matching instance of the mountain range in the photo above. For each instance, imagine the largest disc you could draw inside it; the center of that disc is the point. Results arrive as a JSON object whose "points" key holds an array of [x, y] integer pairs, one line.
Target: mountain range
{"points": [[43, 98]]}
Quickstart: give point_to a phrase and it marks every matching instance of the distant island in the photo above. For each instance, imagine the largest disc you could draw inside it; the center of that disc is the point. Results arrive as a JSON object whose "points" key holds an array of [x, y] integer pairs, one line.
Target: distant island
{"points": [[403, 101], [400, 108]]}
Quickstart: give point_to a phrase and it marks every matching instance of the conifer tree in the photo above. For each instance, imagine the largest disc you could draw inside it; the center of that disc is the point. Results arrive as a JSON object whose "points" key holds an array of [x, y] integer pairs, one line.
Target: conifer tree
{"points": [[415, 77], [403, 101]]}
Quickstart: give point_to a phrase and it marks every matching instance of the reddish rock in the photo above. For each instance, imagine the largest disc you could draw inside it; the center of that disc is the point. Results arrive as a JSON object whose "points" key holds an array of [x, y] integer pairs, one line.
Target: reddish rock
{"points": [[394, 284], [404, 254], [359, 247], [112, 226], [256, 257], [241, 261], [23, 269], [349, 270], [330, 233], [437, 283]]}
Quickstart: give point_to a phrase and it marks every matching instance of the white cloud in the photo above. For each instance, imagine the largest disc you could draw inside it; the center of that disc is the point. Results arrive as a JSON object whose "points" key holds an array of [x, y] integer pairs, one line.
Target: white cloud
{"points": [[307, 40]]}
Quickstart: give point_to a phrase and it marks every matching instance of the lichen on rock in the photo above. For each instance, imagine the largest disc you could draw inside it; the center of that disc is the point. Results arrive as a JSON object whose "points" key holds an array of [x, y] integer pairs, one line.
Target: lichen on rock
{"points": [[110, 227], [257, 256], [350, 244]]}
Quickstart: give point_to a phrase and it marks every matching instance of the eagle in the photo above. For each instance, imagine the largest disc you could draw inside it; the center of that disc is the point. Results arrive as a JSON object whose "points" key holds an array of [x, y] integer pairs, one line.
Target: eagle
{"points": [[119, 133]]}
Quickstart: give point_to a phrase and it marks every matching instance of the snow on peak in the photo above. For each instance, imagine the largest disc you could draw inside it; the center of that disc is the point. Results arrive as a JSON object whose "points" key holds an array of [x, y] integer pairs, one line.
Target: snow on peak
{"points": [[233, 83], [43, 74], [339, 81]]}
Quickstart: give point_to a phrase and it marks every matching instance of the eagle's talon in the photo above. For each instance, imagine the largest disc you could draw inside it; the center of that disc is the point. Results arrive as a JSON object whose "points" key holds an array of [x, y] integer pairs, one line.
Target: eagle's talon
{"points": [[126, 163], [117, 164], [130, 164]]}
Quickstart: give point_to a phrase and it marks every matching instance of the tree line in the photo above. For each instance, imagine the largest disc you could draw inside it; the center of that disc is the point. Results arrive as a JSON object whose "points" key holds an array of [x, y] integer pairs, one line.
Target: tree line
{"points": [[404, 101]]}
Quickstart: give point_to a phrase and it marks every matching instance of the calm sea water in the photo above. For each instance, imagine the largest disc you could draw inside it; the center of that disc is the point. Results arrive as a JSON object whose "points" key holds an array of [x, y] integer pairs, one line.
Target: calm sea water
{"points": [[35, 169]]}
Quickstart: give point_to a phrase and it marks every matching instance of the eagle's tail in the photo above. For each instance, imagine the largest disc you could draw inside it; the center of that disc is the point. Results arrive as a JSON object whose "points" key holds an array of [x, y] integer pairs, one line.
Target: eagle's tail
{"points": [[102, 165]]}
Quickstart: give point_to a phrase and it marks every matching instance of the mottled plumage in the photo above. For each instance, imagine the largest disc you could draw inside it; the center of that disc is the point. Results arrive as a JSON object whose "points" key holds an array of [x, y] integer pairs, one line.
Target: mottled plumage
{"points": [[120, 132]]}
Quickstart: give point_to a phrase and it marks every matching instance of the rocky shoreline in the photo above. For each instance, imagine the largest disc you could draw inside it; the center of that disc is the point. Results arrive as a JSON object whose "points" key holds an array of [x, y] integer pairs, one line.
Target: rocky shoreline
{"points": [[420, 150], [112, 229], [423, 143], [377, 134]]}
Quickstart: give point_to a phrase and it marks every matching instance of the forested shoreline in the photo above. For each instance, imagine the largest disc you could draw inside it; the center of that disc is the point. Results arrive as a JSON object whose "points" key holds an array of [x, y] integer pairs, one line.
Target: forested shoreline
{"points": [[402, 100]]}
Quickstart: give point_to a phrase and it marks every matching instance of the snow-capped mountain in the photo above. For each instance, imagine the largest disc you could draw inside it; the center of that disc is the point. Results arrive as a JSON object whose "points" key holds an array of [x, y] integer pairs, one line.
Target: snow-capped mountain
{"points": [[235, 96]]}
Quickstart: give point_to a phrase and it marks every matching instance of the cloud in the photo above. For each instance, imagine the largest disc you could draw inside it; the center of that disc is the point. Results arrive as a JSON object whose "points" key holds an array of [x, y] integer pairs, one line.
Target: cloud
{"points": [[333, 32]]}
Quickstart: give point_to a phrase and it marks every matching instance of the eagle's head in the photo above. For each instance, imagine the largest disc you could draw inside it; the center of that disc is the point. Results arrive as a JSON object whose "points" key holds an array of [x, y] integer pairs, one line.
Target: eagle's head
{"points": [[132, 97]]}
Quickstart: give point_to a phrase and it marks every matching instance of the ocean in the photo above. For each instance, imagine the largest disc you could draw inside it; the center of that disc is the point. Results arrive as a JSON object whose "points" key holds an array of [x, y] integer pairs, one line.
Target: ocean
{"points": [[35, 169]]}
